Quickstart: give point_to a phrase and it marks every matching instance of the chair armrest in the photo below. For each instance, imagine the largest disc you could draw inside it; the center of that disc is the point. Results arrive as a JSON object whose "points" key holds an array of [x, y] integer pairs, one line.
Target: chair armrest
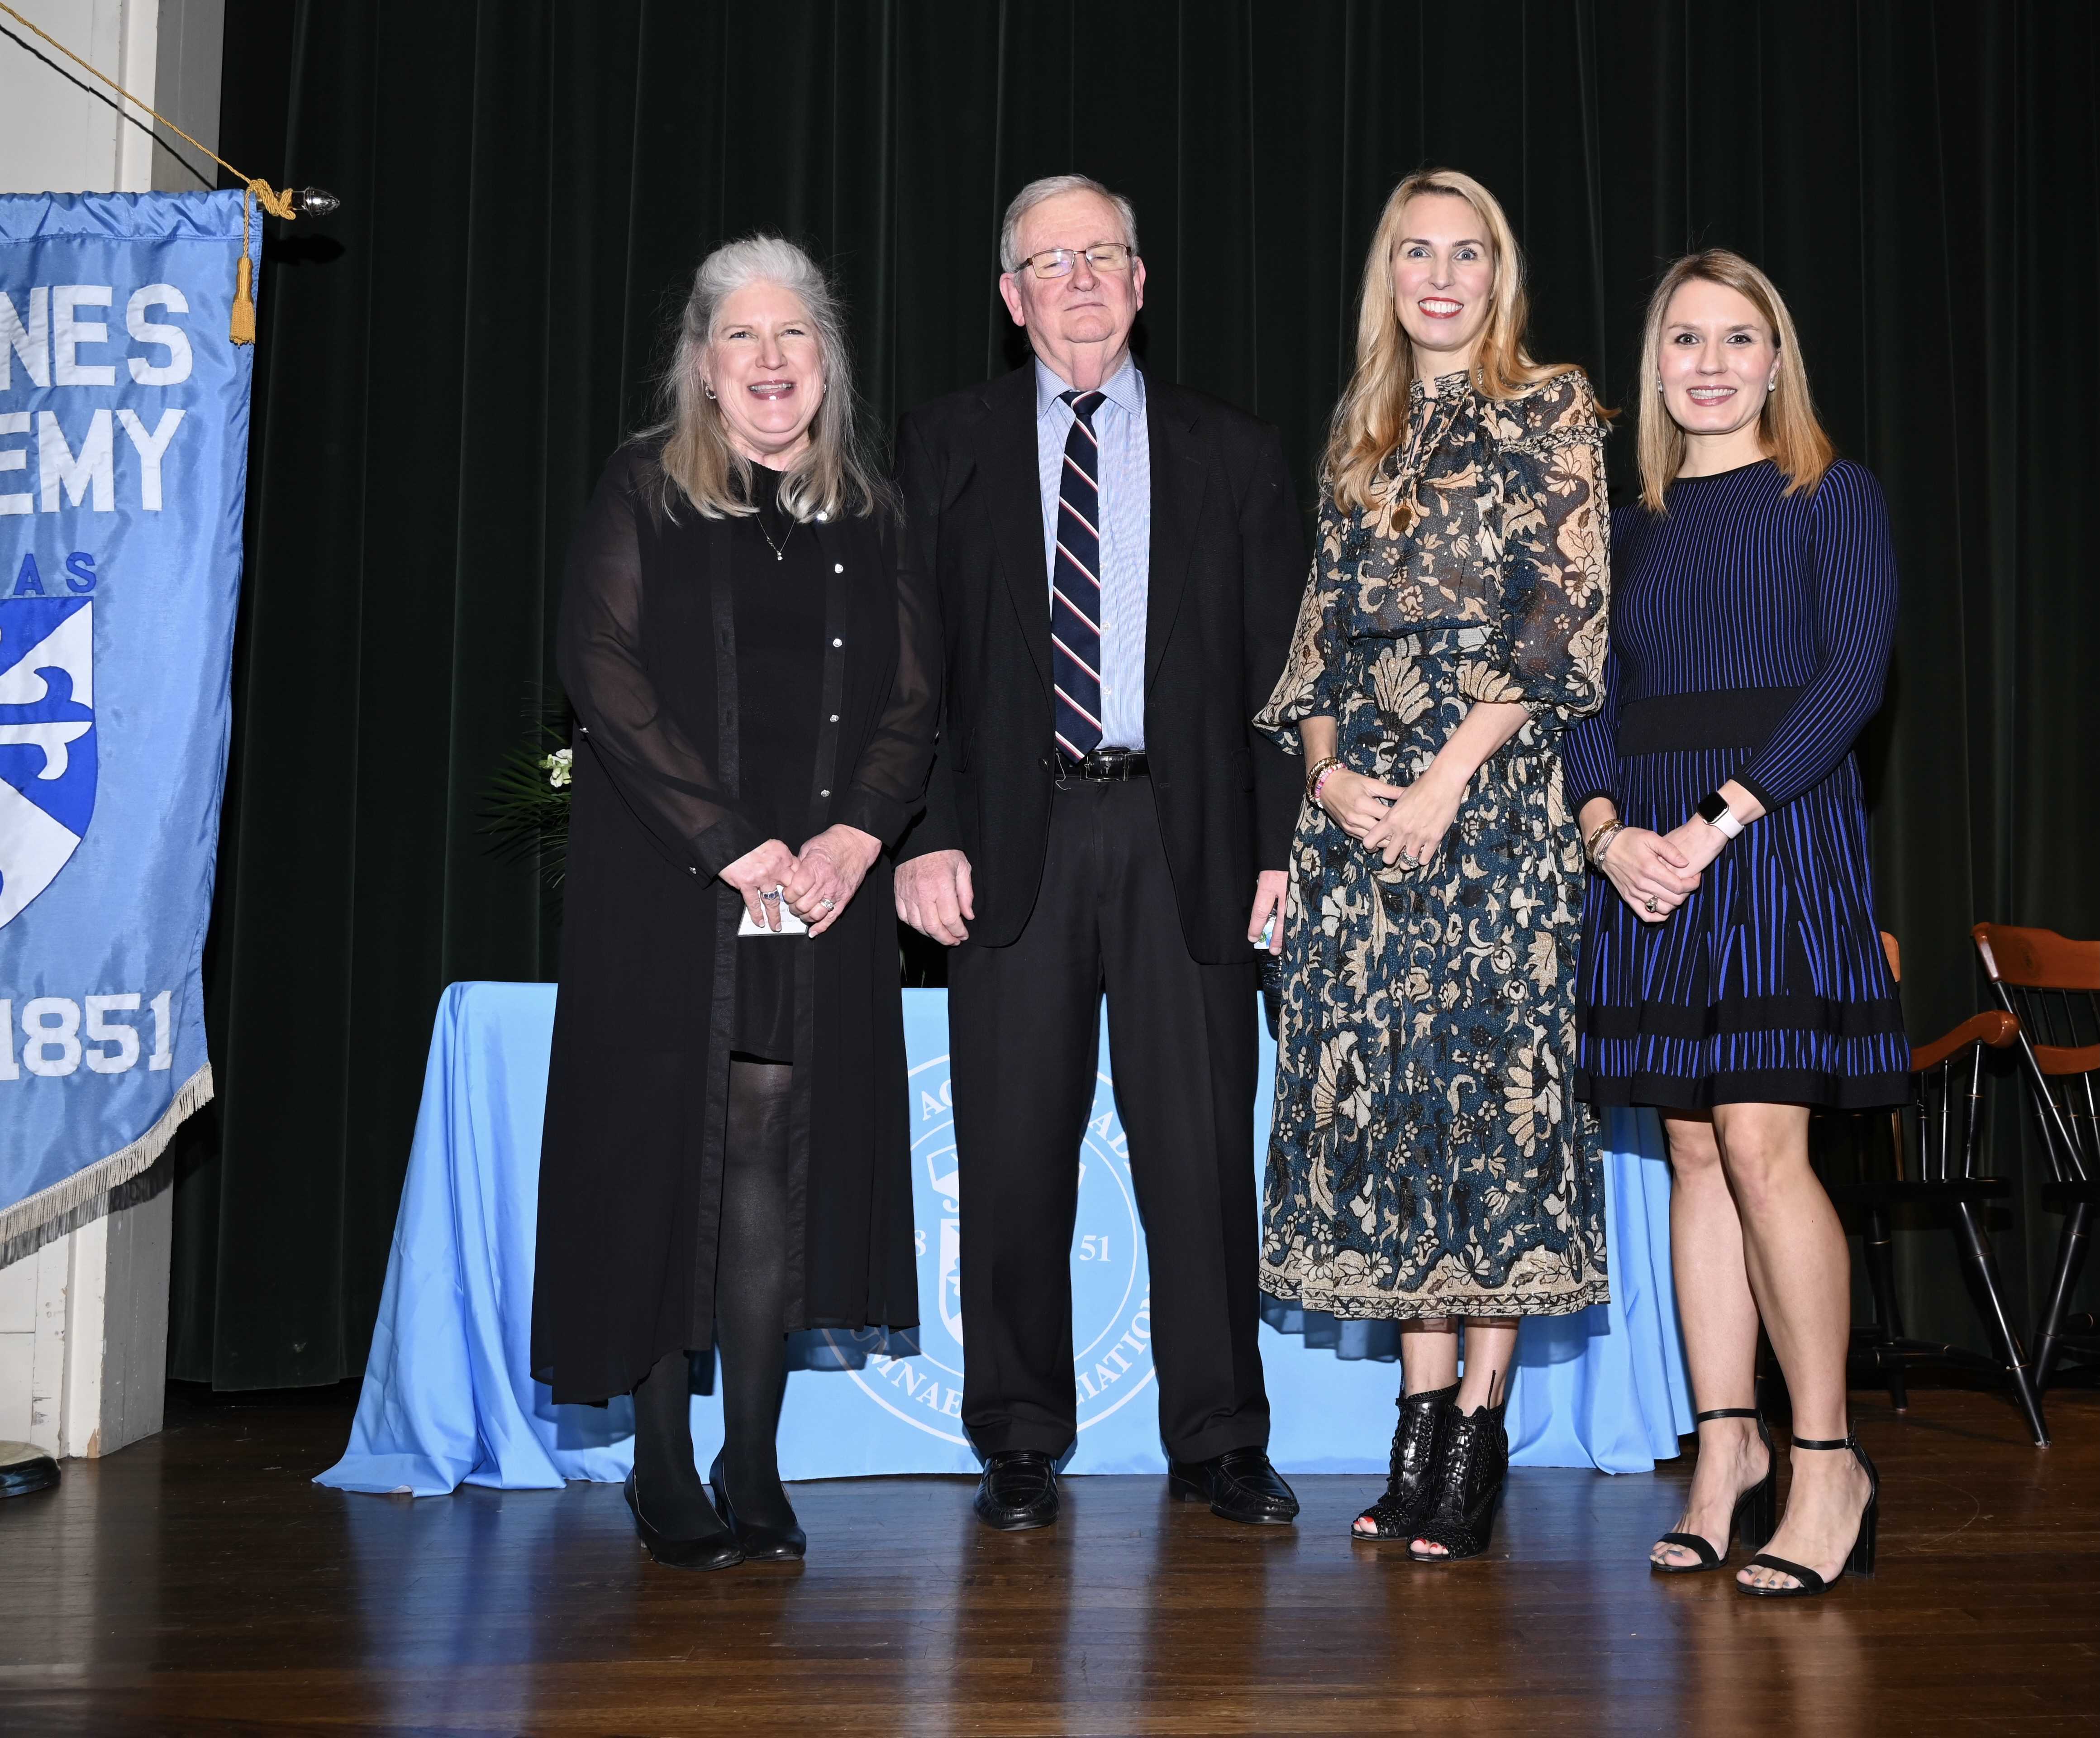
{"points": [[1996, 1028], [2054, 1058]]}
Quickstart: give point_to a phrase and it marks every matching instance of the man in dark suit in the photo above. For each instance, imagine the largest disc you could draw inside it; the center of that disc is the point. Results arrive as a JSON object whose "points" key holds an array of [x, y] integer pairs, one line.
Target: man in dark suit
{"points": [[1118, 563]]}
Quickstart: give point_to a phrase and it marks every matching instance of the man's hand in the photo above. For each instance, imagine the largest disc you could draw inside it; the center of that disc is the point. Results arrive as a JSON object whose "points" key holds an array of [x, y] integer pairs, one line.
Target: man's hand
{"points": [[1269, 891], [933, 895]]}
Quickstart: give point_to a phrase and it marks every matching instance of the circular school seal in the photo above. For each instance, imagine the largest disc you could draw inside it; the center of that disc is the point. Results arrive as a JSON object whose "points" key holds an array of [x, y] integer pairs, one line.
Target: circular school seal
{"points": [[1111, 1304]]}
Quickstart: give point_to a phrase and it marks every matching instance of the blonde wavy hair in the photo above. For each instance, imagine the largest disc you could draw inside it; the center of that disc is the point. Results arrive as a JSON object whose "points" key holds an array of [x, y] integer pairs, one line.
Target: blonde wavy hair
{"points": [[1371, 417], [1791, 431], [837, 474]]}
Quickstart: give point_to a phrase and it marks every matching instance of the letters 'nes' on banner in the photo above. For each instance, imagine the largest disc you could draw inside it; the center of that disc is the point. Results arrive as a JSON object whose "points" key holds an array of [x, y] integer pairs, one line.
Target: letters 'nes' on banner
{"points": [[123, 462]]}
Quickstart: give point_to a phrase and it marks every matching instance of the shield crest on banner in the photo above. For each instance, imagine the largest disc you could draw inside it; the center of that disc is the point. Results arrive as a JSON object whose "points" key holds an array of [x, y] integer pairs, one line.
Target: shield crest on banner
{"points": [[47, 741], [1111, 1299]]}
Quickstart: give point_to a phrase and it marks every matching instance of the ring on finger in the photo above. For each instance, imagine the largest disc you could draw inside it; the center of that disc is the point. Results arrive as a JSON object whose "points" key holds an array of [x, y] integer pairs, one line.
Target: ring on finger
{"points": [[1649, 902]]}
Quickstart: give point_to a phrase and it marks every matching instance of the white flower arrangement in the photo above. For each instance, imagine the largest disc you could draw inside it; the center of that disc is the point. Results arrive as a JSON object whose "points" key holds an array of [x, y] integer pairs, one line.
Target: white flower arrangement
{"points": [[560, 767]]}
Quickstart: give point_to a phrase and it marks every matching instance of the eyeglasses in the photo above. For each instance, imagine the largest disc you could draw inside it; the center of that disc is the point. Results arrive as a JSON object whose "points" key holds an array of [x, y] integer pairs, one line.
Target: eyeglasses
{"points": [[1061, 262]]}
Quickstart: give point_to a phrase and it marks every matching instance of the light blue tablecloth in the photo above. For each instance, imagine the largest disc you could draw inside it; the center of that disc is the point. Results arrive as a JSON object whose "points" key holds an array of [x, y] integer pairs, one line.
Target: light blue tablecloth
{"points": [[448, 1395]]}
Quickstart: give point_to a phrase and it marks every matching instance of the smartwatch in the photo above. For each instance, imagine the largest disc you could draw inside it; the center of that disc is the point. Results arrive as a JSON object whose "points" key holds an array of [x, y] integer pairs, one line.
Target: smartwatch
{"points": [[1714, 810]]}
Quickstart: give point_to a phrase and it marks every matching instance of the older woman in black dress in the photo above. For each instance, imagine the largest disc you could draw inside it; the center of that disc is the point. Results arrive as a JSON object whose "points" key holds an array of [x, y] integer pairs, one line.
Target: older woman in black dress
{"points": [[726, 1154], [1732, 973]]}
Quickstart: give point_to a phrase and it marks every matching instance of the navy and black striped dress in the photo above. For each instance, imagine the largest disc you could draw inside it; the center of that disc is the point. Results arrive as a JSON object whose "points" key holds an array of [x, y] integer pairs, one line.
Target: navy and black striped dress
{"points": [[1750, 636]]}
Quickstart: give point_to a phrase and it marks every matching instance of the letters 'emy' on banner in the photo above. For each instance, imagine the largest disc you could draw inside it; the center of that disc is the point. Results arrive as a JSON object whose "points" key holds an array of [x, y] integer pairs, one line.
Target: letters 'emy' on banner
{"points": [[123, 466]]}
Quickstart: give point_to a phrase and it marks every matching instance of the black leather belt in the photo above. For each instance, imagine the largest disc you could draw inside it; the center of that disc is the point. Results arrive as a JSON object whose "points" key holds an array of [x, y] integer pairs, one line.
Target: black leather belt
{"points": [[1106, 766]]}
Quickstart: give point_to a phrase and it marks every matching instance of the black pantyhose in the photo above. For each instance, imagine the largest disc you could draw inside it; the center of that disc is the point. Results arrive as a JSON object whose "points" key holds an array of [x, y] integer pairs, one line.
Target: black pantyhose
{"points": [[751, 1289], [667, 1483]]}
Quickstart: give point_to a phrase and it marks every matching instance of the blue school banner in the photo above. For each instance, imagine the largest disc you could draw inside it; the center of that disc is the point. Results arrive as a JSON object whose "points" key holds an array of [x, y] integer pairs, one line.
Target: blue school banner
{"points": [[123, 461]]}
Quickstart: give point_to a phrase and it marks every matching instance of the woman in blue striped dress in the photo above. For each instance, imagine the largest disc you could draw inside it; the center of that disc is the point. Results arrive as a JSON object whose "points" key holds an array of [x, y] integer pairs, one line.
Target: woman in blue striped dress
{"points": [[1732, 973]]}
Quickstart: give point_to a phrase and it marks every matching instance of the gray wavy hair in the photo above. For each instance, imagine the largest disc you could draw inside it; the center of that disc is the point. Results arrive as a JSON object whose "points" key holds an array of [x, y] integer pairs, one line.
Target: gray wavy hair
{"points": [[1049, 188], [837, 474]]}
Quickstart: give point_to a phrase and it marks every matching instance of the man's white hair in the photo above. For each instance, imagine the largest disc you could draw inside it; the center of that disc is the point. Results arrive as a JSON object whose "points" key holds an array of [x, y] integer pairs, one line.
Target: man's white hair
{"points": [[1049, 188]]}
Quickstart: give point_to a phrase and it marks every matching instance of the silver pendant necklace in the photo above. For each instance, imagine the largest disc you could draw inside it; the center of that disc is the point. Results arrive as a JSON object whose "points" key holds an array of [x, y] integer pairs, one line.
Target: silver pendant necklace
{"points": [[780, 549]]}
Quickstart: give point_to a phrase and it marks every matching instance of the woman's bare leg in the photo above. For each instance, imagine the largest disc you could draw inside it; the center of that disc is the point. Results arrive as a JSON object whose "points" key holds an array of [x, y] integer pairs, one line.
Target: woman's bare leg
{"points": [[1720, 1319], [1800, 1272]]}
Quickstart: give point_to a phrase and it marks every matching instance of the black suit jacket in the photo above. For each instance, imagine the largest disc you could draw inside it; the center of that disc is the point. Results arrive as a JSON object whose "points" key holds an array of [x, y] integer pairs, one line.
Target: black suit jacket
{"points": [[1227, 567]]}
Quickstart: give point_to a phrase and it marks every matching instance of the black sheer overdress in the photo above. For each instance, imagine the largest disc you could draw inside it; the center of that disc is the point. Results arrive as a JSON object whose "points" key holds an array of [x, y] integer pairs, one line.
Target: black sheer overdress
{"points": [[778, 575], [668, 792]]}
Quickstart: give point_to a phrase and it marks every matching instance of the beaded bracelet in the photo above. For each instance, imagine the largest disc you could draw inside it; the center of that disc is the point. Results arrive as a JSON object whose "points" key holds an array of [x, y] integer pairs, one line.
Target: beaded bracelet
{"points": [[1319, 773]]}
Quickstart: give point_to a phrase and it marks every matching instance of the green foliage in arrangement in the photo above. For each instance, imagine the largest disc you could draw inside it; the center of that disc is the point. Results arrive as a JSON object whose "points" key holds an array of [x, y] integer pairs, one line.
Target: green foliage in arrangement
{"points": [[526, 809]]}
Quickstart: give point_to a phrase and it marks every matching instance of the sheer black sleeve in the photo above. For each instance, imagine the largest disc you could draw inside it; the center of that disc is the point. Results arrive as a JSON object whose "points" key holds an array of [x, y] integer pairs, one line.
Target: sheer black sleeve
{"points": [[670, 786], [891, 777]]}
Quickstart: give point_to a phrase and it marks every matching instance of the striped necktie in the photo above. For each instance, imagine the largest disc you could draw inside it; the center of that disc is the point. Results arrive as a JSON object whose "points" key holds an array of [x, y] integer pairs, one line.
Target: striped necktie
{"points": [[1075, 588]]}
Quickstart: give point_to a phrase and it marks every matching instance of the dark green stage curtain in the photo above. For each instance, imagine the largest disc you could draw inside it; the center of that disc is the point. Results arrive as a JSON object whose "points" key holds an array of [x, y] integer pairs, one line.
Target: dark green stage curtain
{"points": [[527, 186]]}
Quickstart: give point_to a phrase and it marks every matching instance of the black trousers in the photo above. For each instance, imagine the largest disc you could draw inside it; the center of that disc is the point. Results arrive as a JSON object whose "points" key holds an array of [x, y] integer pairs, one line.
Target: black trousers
{"points": [[1024, 1024]]}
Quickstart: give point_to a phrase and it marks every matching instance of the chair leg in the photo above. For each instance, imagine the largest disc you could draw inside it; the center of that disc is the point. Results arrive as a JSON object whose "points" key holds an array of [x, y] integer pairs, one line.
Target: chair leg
{"points": [[1881, 1278], [1975, 1243], [2070, 1257]]}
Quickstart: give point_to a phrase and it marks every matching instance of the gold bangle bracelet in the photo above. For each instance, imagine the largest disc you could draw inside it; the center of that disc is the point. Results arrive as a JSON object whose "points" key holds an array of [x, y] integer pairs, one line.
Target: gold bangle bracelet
{"points": [[1603, 837], [1313, 772]]}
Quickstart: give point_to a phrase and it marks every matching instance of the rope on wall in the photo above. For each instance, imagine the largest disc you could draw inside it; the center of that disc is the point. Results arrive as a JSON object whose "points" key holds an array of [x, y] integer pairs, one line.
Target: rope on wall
{"points": [[281, 202]]}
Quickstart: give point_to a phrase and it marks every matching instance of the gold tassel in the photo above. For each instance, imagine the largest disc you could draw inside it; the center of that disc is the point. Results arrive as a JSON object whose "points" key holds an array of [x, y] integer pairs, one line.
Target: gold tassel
{"points": [[242, 327], [278, 204], [242, 330]]}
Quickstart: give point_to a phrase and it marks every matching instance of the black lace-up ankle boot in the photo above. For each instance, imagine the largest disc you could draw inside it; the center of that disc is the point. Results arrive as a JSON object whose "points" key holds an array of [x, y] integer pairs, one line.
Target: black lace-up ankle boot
{"points": [[1411, 1470], [1472, 1464]]}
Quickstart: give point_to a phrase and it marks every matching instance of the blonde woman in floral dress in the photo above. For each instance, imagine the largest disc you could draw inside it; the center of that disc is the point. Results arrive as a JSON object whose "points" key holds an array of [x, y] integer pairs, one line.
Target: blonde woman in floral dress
{"points": [[1428, 1164]]}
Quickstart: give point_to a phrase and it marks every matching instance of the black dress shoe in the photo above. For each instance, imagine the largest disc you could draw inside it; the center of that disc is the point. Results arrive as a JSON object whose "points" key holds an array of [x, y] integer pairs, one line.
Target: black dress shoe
{"points": [[761, 1544], [717, 1550], [1018, 1491], [1239, 1485], [24, 1468]]}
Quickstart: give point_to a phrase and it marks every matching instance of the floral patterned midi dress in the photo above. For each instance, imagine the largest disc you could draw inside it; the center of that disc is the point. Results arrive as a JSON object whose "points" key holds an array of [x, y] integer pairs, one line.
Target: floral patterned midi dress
{"points": [[1426, 1155]]}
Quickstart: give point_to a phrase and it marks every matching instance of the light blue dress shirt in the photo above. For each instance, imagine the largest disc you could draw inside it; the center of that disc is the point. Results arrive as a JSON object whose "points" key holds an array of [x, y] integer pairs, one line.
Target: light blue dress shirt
{"points": [[1125, 478]]}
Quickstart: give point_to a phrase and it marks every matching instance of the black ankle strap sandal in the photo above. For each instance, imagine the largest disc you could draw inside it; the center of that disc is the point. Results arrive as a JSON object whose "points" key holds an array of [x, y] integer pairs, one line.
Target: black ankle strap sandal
{"points": [[1754, 1520], [1861, 1559]]}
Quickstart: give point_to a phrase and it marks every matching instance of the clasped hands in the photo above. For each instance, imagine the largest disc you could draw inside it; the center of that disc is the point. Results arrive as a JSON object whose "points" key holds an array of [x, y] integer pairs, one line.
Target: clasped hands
{"points": [[1405, 824], [817, 881], [1656, 872]]}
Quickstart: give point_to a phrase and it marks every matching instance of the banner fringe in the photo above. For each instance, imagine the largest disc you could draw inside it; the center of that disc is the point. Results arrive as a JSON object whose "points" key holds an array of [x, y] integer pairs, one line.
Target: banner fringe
{"points": [[104, 1174]]}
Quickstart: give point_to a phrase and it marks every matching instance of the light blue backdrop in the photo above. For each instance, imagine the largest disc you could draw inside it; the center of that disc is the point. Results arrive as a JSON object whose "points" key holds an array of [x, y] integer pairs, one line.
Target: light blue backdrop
{"points": [[448, 1395]]}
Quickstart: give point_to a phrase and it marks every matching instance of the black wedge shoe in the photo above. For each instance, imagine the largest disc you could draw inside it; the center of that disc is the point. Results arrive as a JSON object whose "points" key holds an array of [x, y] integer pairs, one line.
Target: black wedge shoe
{"points": [[716, 1550], [1410, 1469], [1861, 1562], [760, 1544], [1472, 1465], [1756, 1515]]}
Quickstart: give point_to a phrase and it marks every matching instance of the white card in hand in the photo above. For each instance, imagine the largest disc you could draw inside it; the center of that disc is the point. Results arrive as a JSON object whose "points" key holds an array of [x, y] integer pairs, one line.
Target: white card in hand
{"points": [[790, 924]]}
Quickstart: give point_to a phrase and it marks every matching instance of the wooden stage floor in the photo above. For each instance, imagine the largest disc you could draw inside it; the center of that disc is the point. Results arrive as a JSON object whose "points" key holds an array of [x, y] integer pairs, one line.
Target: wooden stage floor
{"points": [[196, 1583]]}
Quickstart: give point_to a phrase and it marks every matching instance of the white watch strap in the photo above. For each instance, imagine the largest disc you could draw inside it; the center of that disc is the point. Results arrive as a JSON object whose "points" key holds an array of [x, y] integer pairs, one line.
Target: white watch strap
{"points": [[1729, 826]]}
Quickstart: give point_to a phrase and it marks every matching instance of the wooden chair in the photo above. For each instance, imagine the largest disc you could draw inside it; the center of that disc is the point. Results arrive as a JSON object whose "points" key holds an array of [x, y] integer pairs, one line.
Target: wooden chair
{"points": [[2052, 986], [1937, 1169]]}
